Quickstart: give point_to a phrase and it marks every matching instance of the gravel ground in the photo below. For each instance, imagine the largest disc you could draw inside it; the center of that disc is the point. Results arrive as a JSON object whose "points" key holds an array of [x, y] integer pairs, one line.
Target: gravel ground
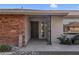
{"points": [[18, 51]]}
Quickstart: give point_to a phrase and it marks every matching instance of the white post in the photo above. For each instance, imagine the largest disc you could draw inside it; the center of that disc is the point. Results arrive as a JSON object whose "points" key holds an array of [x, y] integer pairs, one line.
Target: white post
{"points": [[20, 40]]}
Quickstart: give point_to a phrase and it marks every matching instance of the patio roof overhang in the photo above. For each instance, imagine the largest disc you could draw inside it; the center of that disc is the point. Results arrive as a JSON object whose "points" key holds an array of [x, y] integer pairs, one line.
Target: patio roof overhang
{"points": [[69, 13], [31, 12], [66, 13]]}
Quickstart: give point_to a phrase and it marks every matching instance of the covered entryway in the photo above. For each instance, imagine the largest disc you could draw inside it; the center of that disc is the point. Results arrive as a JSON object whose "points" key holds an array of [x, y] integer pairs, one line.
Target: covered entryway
{"points": [[40, 28]]}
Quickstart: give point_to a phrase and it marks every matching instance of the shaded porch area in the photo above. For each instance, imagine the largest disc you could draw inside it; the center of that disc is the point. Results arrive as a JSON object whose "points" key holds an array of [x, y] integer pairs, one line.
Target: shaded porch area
{"points": [[39, 29]]}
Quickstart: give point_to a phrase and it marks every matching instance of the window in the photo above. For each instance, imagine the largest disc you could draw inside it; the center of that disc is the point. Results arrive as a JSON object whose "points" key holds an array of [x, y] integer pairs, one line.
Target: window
{"points": [[42, 29], [71, 25]]}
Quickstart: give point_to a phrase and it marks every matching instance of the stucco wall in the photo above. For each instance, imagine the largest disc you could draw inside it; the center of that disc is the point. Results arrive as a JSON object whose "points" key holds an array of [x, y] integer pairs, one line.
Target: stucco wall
{"points": [[10, 28], [56, 27]]}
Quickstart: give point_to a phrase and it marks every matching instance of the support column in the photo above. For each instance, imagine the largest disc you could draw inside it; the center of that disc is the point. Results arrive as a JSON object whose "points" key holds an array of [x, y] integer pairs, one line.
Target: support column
{"points": [[27, 30], [49, 30]]}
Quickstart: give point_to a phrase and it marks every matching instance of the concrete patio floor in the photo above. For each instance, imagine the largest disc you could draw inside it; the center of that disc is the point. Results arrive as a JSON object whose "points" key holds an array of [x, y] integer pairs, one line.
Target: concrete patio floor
{"points": [[39, 45]]}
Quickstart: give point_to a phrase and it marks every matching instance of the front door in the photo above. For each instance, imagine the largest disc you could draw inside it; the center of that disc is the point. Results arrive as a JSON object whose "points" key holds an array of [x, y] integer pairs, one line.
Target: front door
{"points": [[34, 29]]}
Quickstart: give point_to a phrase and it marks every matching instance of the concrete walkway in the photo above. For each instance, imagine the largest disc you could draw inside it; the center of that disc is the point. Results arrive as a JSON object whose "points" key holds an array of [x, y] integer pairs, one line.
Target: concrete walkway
{"points": [[39, 45]]}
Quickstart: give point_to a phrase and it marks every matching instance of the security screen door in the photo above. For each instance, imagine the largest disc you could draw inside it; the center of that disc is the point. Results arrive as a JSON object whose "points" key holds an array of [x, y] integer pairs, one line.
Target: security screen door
{"points": [[34, 29]]}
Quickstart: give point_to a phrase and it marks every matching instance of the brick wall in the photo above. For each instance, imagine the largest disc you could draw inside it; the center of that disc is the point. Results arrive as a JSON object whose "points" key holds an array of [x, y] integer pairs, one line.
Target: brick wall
{"points": [[10, 27]]}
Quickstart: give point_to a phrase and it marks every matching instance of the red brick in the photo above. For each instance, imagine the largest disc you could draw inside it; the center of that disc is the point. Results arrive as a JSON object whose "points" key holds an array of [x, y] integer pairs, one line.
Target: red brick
{"points": [[10, 27]]}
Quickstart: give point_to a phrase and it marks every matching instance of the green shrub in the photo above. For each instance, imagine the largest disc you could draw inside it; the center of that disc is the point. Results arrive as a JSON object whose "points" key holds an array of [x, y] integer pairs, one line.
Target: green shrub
{"points": [[64, 40], [67, 42], [5, 48], [76, 42]]}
